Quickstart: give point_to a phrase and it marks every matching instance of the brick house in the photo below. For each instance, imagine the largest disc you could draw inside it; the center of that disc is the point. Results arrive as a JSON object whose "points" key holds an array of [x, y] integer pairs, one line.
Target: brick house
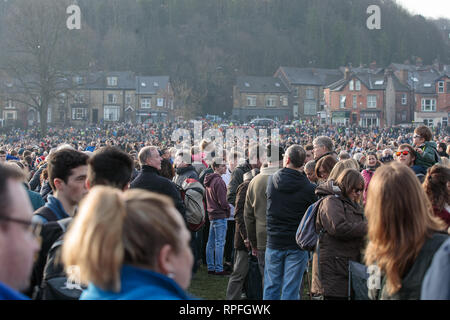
{"points": [[432, 97], [357, 98], [306, 98], [154, 98], [255, 97]]}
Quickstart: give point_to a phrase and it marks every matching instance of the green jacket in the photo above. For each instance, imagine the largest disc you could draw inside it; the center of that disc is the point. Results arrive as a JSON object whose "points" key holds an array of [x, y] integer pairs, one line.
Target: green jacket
{"points": [[255, 208], [428, 158]]}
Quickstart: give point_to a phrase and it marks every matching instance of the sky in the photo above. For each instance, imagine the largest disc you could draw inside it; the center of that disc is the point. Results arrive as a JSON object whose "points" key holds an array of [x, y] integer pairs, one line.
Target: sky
{"points": [[427, 8]]}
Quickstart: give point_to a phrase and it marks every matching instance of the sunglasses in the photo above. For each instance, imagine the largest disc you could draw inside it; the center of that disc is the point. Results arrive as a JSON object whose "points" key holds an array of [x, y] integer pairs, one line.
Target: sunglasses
{"points": [[405, 153]]}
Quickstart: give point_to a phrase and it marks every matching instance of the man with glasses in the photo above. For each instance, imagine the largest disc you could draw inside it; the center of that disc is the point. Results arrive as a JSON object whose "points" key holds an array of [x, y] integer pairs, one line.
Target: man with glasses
{"points": [[18, 243]]}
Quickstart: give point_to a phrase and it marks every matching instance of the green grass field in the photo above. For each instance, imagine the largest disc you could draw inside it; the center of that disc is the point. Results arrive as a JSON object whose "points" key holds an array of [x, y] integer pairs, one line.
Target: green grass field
{"points": [[210, 287]]}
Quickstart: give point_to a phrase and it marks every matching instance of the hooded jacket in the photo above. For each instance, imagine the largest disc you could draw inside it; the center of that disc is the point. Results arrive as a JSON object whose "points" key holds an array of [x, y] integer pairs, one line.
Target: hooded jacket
{"points": [[344, 228], [289, 194], [216, 197], [428, 158]]}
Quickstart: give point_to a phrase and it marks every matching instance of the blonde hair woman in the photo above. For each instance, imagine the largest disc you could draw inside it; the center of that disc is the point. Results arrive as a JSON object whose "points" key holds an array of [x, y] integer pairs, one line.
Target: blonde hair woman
{"points": [[129, 246], [403, 232], [341, 166]]}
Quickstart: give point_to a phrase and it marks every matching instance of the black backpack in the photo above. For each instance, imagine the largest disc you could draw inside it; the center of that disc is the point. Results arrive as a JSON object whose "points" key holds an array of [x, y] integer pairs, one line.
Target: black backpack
{"points": [[56, 284]]}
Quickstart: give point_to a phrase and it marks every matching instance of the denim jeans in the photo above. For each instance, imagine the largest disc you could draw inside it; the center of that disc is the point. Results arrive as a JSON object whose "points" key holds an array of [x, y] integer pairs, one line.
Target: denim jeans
{"points": [[216, 245], [283, 273]]}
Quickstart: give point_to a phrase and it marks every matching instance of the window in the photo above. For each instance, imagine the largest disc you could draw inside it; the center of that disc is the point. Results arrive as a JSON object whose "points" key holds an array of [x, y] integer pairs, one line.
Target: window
{"points": [[296, 92], [270, 101], [404, 98], [428, 122], [448, 87], [10, 104], [441, 86], [444, 121], [404, 114], [146, 103], [285, 101], [358, 85], [79, 113], [371, 101], [354, 104], [77, 80], [310, 108], [160, 102], [351, 85], [112, 98], [251, 101], [79, 97], [310, 93], [342, 101], [112, 81], [111, 113], [128, 98], [429, 105], [11, 115]]}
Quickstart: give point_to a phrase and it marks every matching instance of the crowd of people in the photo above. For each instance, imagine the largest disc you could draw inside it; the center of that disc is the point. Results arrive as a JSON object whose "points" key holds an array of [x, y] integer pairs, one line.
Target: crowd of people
{"points": [[120, 212]]}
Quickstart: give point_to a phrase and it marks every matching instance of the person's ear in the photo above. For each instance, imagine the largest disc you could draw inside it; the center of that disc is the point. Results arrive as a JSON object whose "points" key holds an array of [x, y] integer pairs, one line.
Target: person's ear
{"points": [[165, 265], [57, 182], [87, 184]]}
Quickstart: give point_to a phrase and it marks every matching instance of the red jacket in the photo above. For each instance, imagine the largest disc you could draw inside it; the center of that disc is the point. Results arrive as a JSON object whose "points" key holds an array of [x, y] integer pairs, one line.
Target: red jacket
{"points": [[216, 197]]}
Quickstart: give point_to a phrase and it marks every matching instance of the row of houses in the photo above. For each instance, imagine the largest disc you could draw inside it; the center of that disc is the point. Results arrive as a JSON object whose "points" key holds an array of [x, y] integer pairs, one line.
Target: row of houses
{"points": [[398, 94], [95, 97]]}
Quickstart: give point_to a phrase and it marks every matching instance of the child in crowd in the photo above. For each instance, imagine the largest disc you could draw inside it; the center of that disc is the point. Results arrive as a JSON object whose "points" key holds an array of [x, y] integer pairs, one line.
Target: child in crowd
{"points": [[426, 153]]}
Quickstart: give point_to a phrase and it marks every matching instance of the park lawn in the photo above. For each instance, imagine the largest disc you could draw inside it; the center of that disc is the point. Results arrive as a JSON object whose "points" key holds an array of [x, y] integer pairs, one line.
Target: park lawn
{"points": [[209, 287]]}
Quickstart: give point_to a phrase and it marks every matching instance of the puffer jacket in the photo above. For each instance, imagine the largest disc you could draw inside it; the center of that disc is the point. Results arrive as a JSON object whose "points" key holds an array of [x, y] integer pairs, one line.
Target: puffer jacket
{"points": [[345, 228]]}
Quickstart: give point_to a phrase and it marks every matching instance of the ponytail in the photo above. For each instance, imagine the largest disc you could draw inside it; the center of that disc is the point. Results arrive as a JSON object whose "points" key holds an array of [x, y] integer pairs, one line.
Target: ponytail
{"points": [[93, 242]]}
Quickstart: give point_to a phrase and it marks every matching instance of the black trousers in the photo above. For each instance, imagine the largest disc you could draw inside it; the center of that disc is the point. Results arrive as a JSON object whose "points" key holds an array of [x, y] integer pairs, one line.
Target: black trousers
{"points": [[229, 241]]}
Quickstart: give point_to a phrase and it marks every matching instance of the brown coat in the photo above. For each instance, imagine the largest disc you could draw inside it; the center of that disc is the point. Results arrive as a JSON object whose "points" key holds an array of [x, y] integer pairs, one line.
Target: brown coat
{"points": [[345, 228], [240, 231]]}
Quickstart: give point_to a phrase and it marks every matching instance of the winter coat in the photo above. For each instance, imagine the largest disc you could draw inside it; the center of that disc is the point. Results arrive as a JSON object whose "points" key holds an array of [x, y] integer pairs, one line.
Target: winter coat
{"points": [[237, 177], [139, 284], [181, 174], [428, 157], [437, 274], [345, 228], [367, 175], [289, 194], [216, 197], [240, 231], [150, 180], [255, 208]]}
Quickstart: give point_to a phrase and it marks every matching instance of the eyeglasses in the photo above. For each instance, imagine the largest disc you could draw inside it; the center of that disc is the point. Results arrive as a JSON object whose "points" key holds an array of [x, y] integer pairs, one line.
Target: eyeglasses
{"points": [[416, 136], [32, 227], [405, 153]]}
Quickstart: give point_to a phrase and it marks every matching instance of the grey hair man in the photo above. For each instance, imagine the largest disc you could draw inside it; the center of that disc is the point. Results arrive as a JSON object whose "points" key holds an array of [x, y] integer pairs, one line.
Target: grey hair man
{"points": [[323, 146]]}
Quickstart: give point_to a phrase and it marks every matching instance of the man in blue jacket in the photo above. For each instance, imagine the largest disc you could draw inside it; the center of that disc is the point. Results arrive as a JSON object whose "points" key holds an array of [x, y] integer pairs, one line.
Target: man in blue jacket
{"points": [[289, 194], [18, 244]]}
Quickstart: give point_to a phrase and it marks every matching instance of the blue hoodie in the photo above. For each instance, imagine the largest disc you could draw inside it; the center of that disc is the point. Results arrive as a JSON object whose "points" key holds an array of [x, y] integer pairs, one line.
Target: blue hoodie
{"points": [[57, 208], [139, 284], [6, 293]]}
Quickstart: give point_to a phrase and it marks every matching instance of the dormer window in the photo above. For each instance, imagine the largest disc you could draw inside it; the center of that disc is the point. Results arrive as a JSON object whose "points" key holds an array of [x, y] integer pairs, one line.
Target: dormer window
{"points": [[351, 85], [112, 81], [143, 84], [277, 84], [78, 80], [155, 84], [247, 84]]}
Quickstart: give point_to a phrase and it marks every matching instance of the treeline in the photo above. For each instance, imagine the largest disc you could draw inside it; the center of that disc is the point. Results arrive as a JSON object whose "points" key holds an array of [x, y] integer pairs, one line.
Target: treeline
{"points": [[207, 43]]}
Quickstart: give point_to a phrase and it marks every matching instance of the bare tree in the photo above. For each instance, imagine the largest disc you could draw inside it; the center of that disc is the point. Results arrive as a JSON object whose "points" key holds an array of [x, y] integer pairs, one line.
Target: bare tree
{"points": [[37, 44]]}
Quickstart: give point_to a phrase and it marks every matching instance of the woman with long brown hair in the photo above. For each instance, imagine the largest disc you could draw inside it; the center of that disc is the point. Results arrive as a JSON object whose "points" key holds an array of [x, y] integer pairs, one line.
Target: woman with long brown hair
{"points": [[437, 188], [403, 232]]}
